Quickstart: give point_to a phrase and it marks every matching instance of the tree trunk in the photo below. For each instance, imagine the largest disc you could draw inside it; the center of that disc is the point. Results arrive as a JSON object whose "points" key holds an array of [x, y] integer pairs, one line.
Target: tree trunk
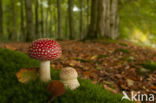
{"points": [[22, 20], [103, 21], [88, 12], [46, 21], [50, 19], [92, 33], [36, 19], [59, 18], [1, 19], [114, 19], [66, 27], [42, 20], [70, 10], [13, 31], [29, 20], [81, 19]]}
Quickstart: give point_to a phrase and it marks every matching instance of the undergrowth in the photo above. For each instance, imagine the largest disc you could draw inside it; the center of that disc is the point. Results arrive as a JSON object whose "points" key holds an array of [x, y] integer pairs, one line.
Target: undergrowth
{"points": [[11, 91]]}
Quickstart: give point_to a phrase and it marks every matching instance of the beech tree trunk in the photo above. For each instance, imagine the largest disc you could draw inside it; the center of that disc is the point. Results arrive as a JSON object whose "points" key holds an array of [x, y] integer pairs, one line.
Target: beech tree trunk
{"points": [[50, 19], [114, 19], [81, 18], [13, 31], [29, 20], [59, 18], [22, 20], [42, 20], [70, 10], [46, 21], [1, 19], [92, 33], [103, 22], [88, 12], [51, 23], [36, 19], [66, 27], [104, 19]]}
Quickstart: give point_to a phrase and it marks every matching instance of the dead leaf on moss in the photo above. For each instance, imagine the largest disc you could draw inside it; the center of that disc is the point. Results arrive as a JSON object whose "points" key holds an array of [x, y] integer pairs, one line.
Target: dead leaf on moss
{"points": [[10, 47], [110, 89], [56, 88], [25, 75]]}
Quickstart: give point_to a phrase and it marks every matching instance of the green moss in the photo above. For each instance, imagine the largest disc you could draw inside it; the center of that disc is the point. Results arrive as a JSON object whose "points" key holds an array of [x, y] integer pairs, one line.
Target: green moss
{"points": [[11, 91], [149, 65], [123, 44], [122, 50], [102, 56]]}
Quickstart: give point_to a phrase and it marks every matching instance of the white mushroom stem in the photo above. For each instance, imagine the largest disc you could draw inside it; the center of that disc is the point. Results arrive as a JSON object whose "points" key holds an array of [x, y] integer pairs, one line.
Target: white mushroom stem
{"points": [[45, 71]]}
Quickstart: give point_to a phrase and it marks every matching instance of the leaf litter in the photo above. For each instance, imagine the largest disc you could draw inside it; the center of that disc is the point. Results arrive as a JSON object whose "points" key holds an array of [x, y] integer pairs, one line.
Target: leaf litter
{"points": [[112, 64]]}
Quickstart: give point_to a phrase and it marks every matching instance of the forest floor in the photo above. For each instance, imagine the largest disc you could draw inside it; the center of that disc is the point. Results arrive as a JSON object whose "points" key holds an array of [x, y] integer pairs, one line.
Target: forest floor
{"points": [[117, 65]]}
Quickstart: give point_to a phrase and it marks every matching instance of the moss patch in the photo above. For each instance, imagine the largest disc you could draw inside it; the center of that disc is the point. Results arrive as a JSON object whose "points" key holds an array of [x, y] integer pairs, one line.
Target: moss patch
{"points": [[11, 91]]}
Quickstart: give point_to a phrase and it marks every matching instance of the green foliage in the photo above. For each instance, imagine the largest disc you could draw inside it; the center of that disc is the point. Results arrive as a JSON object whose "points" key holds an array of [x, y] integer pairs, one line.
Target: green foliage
{"points": [[35, 92], [138, 21], [123, 44], [122, 50], [103, 56], [146, 67], [150, 65]]}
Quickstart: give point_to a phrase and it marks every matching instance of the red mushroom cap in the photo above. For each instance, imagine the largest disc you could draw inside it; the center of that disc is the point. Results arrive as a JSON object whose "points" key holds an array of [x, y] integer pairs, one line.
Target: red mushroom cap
{"points": [[45, 49]]}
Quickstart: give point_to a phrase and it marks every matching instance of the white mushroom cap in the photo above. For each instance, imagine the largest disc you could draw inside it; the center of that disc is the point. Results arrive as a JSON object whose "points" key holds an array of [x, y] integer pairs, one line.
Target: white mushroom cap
{"points": [[68, 73], [68, 76]]}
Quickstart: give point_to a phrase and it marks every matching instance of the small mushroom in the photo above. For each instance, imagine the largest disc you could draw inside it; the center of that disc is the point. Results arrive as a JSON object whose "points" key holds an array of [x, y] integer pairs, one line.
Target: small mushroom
{"points": [[68, 77], [44, 50]]}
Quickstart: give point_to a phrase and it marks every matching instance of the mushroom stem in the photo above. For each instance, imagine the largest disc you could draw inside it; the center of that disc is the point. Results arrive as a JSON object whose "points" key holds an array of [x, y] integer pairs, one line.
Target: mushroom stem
{"points": [[45, 71]]}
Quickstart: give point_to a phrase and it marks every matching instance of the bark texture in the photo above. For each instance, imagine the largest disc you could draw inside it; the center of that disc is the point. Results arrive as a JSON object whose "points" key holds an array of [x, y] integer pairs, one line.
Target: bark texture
{"points": [[104, 19], [59, 13], [114, 19], [36, 19], [103, 22], [22, 20], [70, 10], [92, 33], [1, 19], [42, 20], [13, 34], [29, 20], [81, 18]]}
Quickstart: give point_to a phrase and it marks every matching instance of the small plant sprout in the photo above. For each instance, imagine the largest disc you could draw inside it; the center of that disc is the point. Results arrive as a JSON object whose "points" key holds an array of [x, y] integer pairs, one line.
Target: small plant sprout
{"points": [[44, 50], [68, 76]]}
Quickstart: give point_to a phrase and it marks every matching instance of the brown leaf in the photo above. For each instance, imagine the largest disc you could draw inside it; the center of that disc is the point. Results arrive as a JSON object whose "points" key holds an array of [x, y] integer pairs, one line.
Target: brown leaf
{"points": [[56, 88], [110, 89], [25, 75], [153, 87], [10, 47], [130, 82], [90, 75]]}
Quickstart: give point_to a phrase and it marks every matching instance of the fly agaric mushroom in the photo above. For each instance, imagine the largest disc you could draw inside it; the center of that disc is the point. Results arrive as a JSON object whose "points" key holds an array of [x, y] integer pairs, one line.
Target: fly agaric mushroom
{"points": [[68, 76], [45, 50]]}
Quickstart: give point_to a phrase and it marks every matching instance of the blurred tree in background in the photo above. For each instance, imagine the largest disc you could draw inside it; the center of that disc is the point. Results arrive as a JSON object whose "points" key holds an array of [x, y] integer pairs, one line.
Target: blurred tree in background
{"points": [[26, 20]]}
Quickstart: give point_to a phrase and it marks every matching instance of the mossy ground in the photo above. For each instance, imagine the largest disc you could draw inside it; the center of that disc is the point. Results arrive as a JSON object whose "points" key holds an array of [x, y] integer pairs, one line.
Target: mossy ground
{"points": [[11, 91]]}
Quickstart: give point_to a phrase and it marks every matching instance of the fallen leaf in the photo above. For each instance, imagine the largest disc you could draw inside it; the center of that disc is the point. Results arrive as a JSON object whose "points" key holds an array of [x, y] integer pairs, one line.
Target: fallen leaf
{"points": [[110, 89], [56, 88], [130, 82], [25, 75], [10, 47], [153, 87]]}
